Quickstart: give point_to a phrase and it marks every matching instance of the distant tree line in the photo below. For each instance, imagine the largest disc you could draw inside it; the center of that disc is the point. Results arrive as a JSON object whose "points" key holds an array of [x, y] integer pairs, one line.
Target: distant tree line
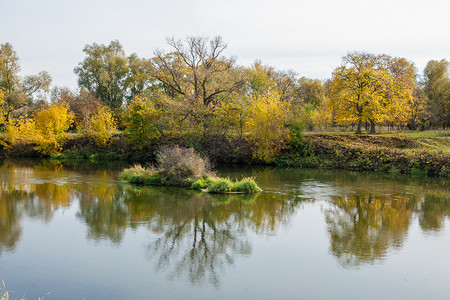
{"points": [[193, 90]]}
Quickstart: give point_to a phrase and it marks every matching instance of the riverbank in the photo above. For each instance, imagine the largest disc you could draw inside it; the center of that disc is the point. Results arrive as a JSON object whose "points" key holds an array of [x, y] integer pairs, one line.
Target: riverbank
{"points": [[373, 153], [416, 154]]}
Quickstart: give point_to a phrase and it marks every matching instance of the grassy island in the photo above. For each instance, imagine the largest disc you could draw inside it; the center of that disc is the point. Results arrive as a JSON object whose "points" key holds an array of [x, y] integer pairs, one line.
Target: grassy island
{"points": [[178, 166]]}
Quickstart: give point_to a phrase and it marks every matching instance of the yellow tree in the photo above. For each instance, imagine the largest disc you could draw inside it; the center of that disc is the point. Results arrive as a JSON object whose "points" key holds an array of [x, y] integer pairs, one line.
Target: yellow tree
{"points": [[401, 101], [51, 124], [358, 90], [267, 126], [100, 127], [3, 111]]}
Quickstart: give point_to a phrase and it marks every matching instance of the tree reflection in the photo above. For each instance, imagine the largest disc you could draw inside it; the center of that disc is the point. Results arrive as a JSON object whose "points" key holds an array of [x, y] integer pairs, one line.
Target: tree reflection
{"points": [[434, 210], [10, 229], [200, 234], [197, 236], [370, 216], [364, 226], [38, 190]]}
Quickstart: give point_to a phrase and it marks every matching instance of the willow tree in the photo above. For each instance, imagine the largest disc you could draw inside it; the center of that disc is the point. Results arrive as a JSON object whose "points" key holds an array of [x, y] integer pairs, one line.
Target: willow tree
{"points": [[197, 75], [358, 91], [9, 68], [104, 72]]}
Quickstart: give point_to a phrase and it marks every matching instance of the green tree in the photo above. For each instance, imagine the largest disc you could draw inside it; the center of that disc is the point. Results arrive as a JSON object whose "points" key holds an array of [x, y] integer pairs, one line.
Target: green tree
{"points": [[437, 88], [37, 84], [9, 68], [104, 72]]}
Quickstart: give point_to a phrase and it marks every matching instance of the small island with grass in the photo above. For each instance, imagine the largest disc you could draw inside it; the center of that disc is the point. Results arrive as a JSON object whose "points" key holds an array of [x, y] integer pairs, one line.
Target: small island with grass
{"points": [[178, 166]]}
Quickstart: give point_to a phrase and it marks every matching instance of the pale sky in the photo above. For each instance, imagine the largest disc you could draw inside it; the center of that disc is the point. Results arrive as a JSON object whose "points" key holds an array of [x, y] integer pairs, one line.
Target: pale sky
{"points": [[307, 36]]}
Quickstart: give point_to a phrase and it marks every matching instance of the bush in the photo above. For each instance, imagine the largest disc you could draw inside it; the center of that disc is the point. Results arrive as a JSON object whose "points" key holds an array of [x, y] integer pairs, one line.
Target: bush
{"points": [[173, 157], [51, 124], [100, 127], [176, 166]]}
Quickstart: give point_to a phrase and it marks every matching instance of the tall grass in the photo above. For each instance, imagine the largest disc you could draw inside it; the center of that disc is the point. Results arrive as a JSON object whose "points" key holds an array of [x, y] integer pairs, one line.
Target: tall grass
{"points": [[5, 294], [225, 185]]}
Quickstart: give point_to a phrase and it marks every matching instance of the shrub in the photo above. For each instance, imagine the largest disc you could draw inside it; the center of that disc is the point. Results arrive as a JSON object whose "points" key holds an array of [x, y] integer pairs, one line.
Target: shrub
{"points": [[100, 127], [19, 131], [176, 166], [51, 124], [170, 157]]}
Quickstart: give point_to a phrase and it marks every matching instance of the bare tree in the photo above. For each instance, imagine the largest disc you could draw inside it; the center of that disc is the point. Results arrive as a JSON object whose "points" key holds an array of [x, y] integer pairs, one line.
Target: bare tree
{"points": [[195, 70]]}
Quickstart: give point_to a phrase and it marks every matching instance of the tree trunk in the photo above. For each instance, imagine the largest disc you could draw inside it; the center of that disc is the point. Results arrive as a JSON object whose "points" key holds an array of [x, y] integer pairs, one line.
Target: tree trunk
{"points": [[372, 127], [358, 130]]}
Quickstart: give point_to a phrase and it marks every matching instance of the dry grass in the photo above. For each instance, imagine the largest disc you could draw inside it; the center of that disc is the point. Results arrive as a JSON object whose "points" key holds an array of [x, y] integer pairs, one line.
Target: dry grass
{"points": [[175, 166]]}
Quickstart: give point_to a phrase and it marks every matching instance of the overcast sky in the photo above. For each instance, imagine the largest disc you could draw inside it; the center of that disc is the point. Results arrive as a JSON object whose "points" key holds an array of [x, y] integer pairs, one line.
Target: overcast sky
{"points": [[309, 37]]}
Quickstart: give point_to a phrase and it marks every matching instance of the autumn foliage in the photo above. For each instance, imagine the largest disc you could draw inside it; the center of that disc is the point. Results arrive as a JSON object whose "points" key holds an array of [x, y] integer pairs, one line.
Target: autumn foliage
{"points": [[51, 124], [193, 93]]}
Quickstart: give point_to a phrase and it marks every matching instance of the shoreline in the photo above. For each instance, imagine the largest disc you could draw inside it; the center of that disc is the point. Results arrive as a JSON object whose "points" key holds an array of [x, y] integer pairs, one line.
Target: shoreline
{"points": [[384, 153]]}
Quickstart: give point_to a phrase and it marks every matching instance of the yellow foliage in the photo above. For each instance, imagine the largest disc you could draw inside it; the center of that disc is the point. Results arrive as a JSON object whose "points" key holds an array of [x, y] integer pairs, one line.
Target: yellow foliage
{"points": [[358, 94], [267, 126], [51, 124], [100, 126], [2, 106], [19, 131]]}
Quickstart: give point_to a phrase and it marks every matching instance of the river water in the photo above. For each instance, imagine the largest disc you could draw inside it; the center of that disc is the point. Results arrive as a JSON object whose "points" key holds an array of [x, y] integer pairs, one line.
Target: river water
{"points": [[77, 232]]}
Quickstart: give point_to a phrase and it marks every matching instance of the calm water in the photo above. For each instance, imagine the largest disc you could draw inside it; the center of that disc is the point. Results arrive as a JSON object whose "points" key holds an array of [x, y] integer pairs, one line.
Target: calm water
{"points": [[75, 232]]}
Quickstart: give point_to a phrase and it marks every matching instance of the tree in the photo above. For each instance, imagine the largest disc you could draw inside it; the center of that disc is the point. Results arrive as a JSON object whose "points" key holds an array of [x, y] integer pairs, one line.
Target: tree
{"points": [[3, 111], [39, 83], [197, 78], [358, 92], [437, 88], [51, 124], [100, 127], [138, 80], [83, 105], [401, 101], [143, 122], [267, 126], [104, 72], [9, 68], [310, 92], [195, 70]]}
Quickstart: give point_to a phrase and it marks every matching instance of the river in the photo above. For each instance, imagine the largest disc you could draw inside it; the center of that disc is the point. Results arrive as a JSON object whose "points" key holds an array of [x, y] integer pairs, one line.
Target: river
{"points": [[74, 231]]}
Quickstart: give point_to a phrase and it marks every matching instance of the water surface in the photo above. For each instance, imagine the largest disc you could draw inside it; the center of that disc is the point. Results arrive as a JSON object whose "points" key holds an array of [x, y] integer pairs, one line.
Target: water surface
{"points": [[75, 232]]}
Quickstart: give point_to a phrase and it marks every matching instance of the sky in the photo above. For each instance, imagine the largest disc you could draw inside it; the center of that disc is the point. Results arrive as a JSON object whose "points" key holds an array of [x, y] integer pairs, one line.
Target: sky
{"points": [[309, 37]]}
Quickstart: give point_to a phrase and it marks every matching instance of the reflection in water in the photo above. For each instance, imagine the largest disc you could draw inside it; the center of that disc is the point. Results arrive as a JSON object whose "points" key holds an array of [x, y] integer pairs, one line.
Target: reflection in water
{"points": [[364, 226], [198, 235], [368, 218]]}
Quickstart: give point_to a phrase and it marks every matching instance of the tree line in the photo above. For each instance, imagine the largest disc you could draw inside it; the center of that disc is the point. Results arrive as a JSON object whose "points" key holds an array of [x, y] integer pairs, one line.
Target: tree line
{"points": [[194, 90]]}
